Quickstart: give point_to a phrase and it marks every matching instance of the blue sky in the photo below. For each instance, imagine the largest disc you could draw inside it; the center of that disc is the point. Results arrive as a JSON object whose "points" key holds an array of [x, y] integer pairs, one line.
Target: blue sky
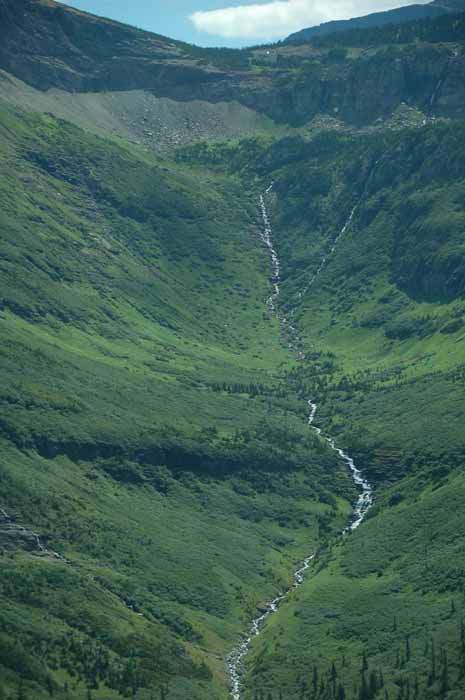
{"points": [[231, 22], [168, 17]]}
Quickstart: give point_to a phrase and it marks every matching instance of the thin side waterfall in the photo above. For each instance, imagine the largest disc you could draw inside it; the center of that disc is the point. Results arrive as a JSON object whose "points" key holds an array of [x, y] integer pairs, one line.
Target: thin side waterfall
{"points": [[235, 661], [325, 258], [266, 237]]}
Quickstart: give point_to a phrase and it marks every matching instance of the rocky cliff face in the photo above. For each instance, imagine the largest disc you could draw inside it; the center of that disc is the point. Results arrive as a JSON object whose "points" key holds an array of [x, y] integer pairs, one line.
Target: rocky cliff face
{"points": [[52, 46], [49, 46]]}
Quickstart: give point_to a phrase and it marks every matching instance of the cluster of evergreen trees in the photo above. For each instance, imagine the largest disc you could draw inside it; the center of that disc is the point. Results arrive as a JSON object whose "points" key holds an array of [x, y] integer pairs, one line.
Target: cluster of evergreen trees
{"points": [[433, 677], [448, 28], [237, 388]]}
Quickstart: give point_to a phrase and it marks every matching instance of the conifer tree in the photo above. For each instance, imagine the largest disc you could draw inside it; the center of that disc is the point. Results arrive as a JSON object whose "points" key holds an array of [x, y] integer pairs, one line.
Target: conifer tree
{"points": [[315, 679], [333, 678], [432, 674], [21, 691], [462, 651], [416, 688], [444, 674], [364, 692], [50, 686], [373, 684]]}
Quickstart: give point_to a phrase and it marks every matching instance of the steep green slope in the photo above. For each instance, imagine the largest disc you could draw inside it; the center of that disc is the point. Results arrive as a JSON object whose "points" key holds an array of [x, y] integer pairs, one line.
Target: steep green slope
{"points": [[382, 328], [382, 318], [383, 614], [145, 435], [389, 301], [159, 483]]}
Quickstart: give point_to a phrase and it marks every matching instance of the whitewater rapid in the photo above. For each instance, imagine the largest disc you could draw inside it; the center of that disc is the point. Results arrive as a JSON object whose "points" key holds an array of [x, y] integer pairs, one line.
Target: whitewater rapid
{"points": [[364, 502]]}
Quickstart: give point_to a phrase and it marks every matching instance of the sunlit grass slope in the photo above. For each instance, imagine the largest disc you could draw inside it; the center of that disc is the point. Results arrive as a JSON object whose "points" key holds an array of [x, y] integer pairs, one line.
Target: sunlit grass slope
{"points": [[383, 326], [145, 434], [383, 614], [383, 332], [383, 322]]}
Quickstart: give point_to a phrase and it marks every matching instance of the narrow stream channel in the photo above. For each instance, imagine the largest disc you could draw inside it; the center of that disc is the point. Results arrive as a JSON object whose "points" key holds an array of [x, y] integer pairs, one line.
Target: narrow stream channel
{"points": [[9, 525], [235, 661]]}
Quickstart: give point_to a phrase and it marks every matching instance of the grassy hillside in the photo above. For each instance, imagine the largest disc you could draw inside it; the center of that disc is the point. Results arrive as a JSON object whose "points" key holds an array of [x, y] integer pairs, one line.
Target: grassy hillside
{"points": [[381, 322], [382, 328], [159, 481], [389, 302], [145, 435], [383, 613]]}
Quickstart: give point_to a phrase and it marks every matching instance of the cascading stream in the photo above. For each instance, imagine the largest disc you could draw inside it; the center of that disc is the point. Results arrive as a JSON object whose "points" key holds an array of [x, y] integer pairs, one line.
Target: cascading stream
{"points": [[9, 522], [236, 659]]}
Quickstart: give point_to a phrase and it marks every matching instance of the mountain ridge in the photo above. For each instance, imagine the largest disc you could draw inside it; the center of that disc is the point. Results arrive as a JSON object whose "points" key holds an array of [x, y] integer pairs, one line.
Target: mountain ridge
{"points": [[142, 86], [400, 15]]}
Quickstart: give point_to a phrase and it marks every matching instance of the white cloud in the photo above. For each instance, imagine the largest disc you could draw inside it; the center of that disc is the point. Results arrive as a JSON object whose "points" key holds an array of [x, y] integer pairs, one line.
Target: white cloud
{"points": [[281, 17]]}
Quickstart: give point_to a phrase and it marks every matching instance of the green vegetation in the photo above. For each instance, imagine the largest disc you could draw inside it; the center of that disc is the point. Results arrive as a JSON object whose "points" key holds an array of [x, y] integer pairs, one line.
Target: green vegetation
{"points": [[146, 433], [383, 612], [158, 480], [445, 28], [382, 330]]}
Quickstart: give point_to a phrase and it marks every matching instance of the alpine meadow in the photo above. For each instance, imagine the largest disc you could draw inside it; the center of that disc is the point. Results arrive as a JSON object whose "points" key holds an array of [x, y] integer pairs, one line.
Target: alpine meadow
{"points": [[232, 360]]}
